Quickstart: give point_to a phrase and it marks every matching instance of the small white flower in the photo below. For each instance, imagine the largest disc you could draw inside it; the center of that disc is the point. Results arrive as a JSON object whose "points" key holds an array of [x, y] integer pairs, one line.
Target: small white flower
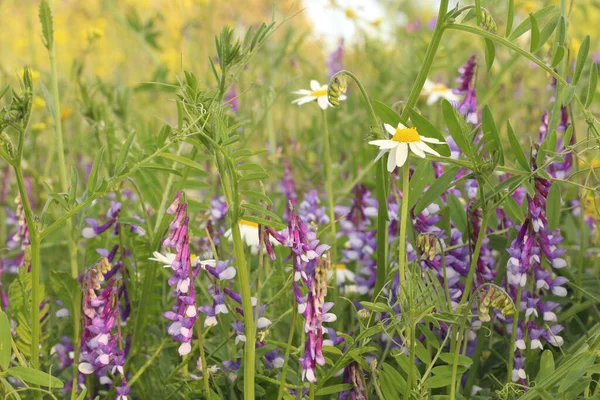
{"points": [[559, 291], [317, 92], [210, 321], [342, 274], [85, 368], [249, 234], [185, 348], [559, 263], [520, 344], [549, 316], [165, 259], [436, 91], [402, 139], [536, 344], [518, 374]]}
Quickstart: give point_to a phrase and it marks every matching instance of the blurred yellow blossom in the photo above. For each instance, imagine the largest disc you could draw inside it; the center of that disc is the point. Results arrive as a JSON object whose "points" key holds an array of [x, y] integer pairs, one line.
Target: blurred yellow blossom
{"points": [[38, 103], [39, 126]]}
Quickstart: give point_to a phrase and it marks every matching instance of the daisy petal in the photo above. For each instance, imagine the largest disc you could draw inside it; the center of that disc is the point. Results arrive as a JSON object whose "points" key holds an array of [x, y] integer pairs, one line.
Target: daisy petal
{"points": [[314, 85], [390, 129], [381, 153], [401, 154], [323, 102], [401, 125], [431, 140], [384, 144], [391, 163], [425, 147], [416, 149]]}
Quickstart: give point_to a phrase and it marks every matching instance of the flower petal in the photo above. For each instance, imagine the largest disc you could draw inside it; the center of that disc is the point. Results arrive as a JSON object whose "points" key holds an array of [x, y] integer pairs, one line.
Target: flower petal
{"points": [[314, 85], [401, 154], [384, 144], [414, 147], [323, 102], [391, 163], [431, 140], [425, 147], [390, 129]]}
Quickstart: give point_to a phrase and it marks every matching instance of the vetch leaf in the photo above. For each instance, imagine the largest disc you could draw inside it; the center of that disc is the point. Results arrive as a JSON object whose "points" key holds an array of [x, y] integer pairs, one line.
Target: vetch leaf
{"points": [[5, 337], [185, 161], [559, 53], [553, 206], [436, 189], [546, 365], [513, 210], [159, 167], [448, 358], [334, 389], [526, 25], [547, 31], [422, 177], [489, 125], [455, 128], [93, 177], [35, 377], [510, 18], [124, 150], [265, 222], [490, 54], [592, 85], [581, 57], [387, 115], [516, 148], [535, 33]]}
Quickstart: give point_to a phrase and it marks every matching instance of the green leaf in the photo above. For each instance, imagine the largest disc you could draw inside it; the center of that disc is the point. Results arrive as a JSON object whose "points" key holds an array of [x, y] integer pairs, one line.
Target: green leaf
{"points": [[516, 148], [558, 55], [547, 31], [448, 358], [427, 129], [535, 33], [513, 210], [489, 125], [35, 377], [93, 177], [439, 381], [45, 14], [334, 389], [561, 33], [159, 167], [124, 150], [436, 189], [82, 394], [5, 335], [546, 365], [261, 210], [387, 115], [185, 161], [510, 18], [257, 195], [526, 25], [457, 212], [581, 57], [397, 379], [576, 372], [422, 177], [490, 53], [254, 176], [592, 85], [265, 222], [422, 353], [553, 207], [455, 128], [377, 307]]}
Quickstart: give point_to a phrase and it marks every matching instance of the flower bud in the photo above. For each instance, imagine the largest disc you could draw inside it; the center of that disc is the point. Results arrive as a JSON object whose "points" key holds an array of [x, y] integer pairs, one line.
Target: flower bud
{"points": [[336, 89]]}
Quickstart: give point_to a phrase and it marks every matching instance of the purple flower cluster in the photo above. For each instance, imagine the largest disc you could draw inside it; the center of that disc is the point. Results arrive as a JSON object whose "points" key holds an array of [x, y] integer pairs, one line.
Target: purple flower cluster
{"points": [[112, 216], [466, 88], [310, 269], [19, 239], [535, 244], [288, 189], [103, 350], [184, 313], [310, 210], [335, 62]]}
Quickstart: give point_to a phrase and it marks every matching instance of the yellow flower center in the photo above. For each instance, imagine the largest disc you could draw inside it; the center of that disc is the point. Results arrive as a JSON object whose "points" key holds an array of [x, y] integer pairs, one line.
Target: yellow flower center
{"points": [[340, 266], [439, 88], [406, 135], [248, 223], [319, 93]]}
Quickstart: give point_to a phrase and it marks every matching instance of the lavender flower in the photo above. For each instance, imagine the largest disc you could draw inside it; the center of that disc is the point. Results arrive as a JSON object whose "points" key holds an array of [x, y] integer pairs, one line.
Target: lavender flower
{"points": [[466, 88], [184, 312], [335, 62]]}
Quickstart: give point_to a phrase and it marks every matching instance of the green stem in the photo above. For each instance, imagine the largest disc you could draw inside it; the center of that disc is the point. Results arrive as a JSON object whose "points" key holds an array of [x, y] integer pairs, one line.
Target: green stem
{"points": [[205, 376], [402, 260], [34, 239], [287, 350], [147, 364], [329, 178], [244, 280], [415, 91]]}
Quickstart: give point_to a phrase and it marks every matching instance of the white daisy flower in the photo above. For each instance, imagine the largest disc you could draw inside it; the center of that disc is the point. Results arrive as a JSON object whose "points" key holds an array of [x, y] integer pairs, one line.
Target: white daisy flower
{"points": [[402, 139], [317, 92], [342, 274], [435, 91], [249, 233]]}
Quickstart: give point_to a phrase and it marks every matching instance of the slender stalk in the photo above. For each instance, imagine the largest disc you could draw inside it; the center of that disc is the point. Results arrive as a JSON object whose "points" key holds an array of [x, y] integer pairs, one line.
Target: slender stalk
{"points": [[147, 364], [329, 182], [287, 350], [203, 358], [415, 91], [34, 239], [244, 280], [402, 259]]}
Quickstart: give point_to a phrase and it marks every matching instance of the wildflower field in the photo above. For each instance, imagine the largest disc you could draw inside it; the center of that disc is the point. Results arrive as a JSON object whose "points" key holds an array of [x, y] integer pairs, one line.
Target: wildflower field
{"points": [[210, 199]]}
